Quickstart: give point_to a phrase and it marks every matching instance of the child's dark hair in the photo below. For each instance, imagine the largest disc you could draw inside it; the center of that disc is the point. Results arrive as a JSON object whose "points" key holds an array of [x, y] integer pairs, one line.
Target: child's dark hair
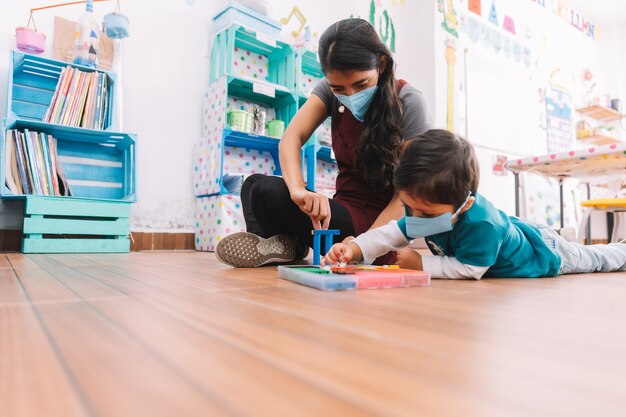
{"points": [[353, 44], [439, 167]]}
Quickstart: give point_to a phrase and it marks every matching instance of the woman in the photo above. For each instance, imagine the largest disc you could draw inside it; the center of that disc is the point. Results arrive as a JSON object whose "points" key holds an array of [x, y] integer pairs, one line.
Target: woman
{"points": [[372, 113]]}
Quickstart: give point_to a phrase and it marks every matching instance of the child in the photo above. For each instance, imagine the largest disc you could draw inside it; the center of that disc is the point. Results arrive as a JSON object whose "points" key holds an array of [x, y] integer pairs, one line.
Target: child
{"points": [[437, 178]]}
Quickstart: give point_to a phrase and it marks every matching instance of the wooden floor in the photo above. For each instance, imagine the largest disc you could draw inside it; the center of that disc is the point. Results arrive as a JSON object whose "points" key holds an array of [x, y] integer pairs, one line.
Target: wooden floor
{"points": [[178, 334]]}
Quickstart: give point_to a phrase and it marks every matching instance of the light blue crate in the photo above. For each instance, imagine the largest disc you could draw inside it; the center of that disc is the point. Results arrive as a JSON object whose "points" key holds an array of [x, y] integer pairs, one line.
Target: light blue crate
{"points": [[62, 225], [32, 81], [237, 13], [281, 57], [98, 164]]}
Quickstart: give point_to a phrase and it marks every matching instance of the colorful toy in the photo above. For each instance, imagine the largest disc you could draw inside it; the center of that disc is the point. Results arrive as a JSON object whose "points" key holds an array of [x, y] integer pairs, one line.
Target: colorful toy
{"points": [[353, 277], [328, 242]]}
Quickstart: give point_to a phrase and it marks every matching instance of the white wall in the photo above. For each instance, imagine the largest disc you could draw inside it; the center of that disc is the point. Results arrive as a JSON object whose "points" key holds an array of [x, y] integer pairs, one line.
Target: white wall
{"points": [[501, 93], [165, 71]]}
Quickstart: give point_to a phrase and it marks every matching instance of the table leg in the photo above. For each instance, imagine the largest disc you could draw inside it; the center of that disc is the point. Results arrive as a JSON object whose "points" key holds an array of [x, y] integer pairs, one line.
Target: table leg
{"points": [[561, 202], [516, 175], [588, 234]]}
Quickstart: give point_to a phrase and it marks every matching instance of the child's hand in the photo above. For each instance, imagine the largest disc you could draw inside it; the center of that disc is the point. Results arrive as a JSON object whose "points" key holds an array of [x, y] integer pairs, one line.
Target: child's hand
{"points": [[409, 259], [339, 252]]}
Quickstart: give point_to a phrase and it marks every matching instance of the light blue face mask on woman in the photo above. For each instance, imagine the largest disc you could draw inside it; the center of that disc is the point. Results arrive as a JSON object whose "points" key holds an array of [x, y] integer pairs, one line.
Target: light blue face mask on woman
{"points": [[424, 226], [358, 103]]}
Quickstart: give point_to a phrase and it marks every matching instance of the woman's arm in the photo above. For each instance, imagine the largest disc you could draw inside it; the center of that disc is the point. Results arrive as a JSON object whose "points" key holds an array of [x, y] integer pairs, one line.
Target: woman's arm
{"points": [[393, 211], [302, 126]]}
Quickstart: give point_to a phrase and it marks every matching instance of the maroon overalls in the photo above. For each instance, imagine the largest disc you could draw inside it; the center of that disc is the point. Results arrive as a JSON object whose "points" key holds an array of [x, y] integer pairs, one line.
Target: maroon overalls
{"points": [[363, 201]]}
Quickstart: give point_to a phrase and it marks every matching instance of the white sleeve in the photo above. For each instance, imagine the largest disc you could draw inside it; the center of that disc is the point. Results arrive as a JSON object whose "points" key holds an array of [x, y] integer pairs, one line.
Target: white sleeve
{"points": [[379, 241], [451, 268]]}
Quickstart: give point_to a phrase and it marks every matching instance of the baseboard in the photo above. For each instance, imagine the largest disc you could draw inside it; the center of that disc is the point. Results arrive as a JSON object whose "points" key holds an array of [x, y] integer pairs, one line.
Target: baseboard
{"points": [[11, 241], [148, 241]]}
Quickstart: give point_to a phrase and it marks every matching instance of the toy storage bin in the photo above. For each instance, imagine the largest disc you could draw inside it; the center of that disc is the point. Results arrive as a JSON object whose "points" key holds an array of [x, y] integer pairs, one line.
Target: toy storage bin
{"points": [[32, 82], [217, 216], [64, 225], [98, 164]]}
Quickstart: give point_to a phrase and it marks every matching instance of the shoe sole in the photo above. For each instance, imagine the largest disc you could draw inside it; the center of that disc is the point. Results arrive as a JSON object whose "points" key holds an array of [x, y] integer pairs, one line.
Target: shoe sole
{"points": [[247, 250]]}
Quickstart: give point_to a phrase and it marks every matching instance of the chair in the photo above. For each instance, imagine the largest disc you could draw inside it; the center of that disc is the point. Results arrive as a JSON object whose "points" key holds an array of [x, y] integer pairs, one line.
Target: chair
{"points": [[608, 205]]}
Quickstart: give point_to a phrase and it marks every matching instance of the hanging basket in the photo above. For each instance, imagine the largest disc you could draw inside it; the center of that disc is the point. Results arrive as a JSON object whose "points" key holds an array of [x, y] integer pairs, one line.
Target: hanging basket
{"points": [[28, 39]]}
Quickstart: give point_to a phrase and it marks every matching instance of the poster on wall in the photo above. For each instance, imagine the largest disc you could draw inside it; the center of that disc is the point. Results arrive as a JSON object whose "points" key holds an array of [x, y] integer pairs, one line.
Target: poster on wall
{"points": [[559, 124]]}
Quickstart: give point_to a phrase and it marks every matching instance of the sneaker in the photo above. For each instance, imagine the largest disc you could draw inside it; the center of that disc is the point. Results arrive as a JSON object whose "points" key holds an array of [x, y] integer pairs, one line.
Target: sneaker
{"points": [[247, 250]]}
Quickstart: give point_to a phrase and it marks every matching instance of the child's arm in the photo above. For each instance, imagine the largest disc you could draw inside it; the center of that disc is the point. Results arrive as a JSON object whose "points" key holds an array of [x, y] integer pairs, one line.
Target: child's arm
{"points": [[377, 242], [451, 268]]}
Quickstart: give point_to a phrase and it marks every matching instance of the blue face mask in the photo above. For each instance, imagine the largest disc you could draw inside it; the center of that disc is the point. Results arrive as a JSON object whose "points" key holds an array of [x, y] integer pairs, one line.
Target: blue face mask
{"points": [[358, 103], [423, 226]]}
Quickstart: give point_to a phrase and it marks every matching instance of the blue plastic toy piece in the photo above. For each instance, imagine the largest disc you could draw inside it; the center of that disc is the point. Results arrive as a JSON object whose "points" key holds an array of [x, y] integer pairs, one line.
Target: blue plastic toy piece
{"points": [[328, 242]]}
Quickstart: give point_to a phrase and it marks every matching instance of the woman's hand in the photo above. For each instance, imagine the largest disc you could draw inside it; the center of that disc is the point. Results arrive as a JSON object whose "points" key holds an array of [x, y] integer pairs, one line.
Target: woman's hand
{"points": [[339, 252], [314, 205]]}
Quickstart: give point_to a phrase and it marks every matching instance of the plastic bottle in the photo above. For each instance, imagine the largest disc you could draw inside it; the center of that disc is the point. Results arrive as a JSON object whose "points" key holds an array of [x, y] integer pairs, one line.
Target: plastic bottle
{"points": [[86, 43]]}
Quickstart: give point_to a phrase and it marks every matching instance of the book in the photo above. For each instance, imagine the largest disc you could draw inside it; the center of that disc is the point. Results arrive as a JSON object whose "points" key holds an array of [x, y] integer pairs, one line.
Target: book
{"points": [[86, 121], [65, 90], [53, 164], [43, 139], [70, 99], [41, 163], [26, 162], [15, 168], [64, 186], [8, 164], [23, 175], [98, 103], [55, 97]]}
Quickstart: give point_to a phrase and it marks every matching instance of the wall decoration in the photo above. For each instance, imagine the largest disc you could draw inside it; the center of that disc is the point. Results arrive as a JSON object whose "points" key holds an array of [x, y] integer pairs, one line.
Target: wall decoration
{"points": [[299, 16], [450, 22], [493, 15], [498, 165], [496, 39], [474, 29], [561, 9], [463, 23], [509, 24], [385, 27], [517, 51], [474, 6], [507, 46], [526, 57], [589, 85], [559, 123], [485, 35], [450, 54]]}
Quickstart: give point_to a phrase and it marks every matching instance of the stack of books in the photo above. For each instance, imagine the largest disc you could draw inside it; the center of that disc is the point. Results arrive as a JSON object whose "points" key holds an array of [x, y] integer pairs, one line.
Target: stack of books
{"points": [[32, 164], [80, 99]]}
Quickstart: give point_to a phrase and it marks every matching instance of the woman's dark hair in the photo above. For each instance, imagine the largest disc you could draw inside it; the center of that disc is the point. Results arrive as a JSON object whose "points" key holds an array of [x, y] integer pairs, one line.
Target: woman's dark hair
{"points": [[352, 44], [439, 167]]}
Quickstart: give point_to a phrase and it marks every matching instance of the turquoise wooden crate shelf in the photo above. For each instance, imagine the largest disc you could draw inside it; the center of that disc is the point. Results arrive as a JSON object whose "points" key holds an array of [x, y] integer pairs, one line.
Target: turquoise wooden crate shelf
{"points": [[309, 65], [61, 225], [98, 164], [244, 88], [32, 81], [281, 68], [236, 12]]}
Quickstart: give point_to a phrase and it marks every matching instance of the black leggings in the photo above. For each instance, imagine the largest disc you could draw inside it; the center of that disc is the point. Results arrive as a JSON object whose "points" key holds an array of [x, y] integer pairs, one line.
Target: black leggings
{"points": [[269, 210]]}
